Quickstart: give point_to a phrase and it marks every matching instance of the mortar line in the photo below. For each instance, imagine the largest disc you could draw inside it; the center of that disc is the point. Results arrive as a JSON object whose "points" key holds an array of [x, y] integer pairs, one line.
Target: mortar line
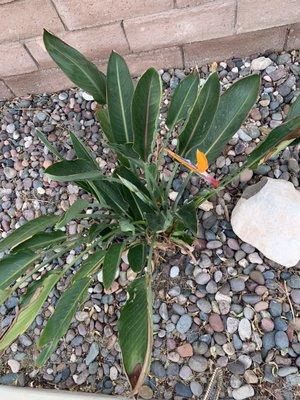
{"points": [[126, 38], [58, 14], [235, 17], [31, 56], [7, 87]]}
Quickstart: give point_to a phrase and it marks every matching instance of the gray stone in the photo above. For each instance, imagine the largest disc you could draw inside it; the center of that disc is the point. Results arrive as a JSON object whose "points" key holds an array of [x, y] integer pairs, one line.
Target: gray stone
{"points": [[183, 390], [184, 323], [92, 354], [281, 340], [198, 363], [158, 369], [244, 392], [260, 63]]}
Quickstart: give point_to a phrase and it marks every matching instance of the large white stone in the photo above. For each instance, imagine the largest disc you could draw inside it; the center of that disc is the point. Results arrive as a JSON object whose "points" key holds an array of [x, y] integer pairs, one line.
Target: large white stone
{"points": [[268, 217]]}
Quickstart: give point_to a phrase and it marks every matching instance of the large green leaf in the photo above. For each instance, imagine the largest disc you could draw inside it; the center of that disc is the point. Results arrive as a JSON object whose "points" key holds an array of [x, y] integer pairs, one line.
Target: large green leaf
{"points": [[145, 112], [111, 192], [137, 256], [233, 109], [135, 331], [14, 265], [134, 184], [89, 266], [188, 215], [41, 240], [294, 111], [77, 67], [285, 132], [201, 117], [119, 98], [73, 170], [111, 263], [27, 230], [29, 308], [72, 212], [81, 150], [67, 306], [182, 100], [102, 116], [59, 322]]}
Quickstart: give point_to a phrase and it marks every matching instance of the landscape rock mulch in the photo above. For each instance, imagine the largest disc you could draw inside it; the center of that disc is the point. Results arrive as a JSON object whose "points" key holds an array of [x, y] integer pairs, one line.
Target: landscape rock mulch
{"points": [[225, 306]]}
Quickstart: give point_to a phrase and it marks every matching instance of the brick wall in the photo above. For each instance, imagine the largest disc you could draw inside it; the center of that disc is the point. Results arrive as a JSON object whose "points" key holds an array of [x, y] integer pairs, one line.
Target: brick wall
{"points": [[160, 33]]}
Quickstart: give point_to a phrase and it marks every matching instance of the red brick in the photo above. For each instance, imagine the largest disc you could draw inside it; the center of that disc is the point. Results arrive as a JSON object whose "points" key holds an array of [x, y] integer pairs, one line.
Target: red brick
{"points": [[49, 80], [211, 20], [293, 41], [84, 13], [190, 3], [15, 60], [258, 14], [166, 58], [26, 18], [138, 63], [94, 43], [234, 46], [5, 93]]}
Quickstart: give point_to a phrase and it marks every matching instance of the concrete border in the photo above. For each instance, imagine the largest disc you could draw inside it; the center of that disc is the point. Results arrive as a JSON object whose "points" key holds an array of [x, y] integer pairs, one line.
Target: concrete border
{"points": [[18, 393]]}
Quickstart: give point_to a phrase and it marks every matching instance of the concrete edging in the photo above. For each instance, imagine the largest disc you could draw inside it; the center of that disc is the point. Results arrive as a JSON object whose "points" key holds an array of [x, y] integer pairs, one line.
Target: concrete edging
{"points": [[18, 393]]}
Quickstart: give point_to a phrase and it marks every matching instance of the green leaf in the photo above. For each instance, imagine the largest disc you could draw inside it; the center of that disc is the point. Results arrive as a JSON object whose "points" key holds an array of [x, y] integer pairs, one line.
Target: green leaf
{"points": [[60, 320], [46, 143], [126, 150], [285, 132], [111, 263], [97, 230], [27, 230], [112, 194], [89, 266], [41, 240], [188, 215], [103, 118], [136, 332], [30, 308], [72, 212], [137, 257], [126, 226], [200, 118], [182, 100], [74, 170], [77, 67], [67, 306], [119, 98], [14, 265], [233, 109], [81, 150], [145, 112], [159, 221], [294, 111]]}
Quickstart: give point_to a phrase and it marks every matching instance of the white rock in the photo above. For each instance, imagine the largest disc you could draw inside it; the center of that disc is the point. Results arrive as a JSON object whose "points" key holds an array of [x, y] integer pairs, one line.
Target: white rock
{"points": [[267, 217], [245, 329], [206, 206], [260, 63], [14, 366], [86, 96], [174, 271], [244, 392]]}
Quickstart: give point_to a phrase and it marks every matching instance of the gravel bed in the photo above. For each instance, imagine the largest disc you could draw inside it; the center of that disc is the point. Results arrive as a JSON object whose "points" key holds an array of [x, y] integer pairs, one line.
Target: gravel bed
{"points": [[226, 306]]}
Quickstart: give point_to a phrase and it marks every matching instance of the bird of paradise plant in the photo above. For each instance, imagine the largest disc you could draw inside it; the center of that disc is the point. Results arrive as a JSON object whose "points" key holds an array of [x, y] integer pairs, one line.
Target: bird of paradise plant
{"points": [[130, 210]]}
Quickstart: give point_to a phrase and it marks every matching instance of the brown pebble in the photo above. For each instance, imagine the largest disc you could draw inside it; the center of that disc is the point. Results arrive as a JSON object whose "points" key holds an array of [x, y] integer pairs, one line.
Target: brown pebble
{"points": [[185, 350], [216, 322]]}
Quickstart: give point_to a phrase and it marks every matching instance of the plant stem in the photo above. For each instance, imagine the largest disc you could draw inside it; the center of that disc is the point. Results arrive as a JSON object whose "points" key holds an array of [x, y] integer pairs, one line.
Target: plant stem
{"points": [[181, 191], [149, 261]]}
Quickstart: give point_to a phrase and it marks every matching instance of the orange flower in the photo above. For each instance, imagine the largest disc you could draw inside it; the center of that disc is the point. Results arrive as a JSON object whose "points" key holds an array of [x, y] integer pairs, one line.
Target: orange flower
{"points": [[200, 168]]}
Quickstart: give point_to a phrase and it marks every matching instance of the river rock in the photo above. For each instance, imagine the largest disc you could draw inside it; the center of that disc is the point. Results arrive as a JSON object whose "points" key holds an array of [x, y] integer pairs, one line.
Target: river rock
{"points": [[275, 230]]}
